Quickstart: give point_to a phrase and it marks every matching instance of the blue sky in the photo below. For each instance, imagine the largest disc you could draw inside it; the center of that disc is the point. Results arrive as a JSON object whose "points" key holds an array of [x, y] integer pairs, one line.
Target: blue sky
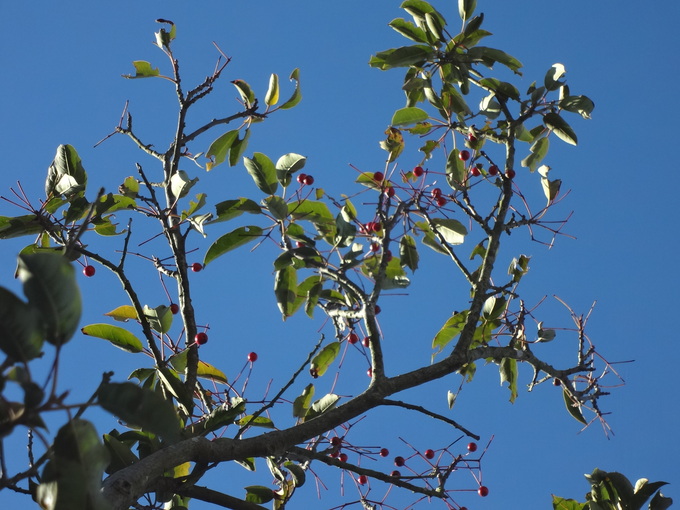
{"points": [[62, 84]]}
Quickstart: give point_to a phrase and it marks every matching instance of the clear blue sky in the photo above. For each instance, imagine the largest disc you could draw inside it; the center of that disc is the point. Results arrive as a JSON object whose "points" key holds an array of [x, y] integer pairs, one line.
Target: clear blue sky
{"points": [[61, 84]]}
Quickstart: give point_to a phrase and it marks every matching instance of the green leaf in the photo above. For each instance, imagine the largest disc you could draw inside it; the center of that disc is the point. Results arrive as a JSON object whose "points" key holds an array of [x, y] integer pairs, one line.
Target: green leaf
{"points": [[260, 421], [577, 104], [207, 371], [120, 454], [272, 95], [263, 172], [315, 212], [230, 209], [143, 69], [287, 165], [231, 241], [302, 403], [453, 231], [456, 174], [246, 93], [219, 417], [409, 30], [450, 330], [29, 224], [550, 188], [408, 253], [297, 472], [21, 330], [407, 116], [323, 359], [50, 286], [402, 57], [493, 308], [573, 408], [141, 407], [538, 149], [325, 403], [119, 337], [297, 95], [567, 504], [560, 127], [285, 290], [519, 267], [220, 148], [160, 318], [238, 148], [195, 206], [180, 184], [72, 477], [394, 276], [277, 206], [508, 370], [553, 78], [66, 175], [259, 494], [466, 8], [489, 56]]}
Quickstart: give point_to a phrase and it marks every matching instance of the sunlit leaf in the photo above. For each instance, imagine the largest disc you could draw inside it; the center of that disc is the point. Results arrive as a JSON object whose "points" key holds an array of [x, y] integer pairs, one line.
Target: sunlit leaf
{"points": [[574, 408], [406, 116], [143, 69], [325, 403], [450, 330], [302, 403], [231, 241], [119, 337], [297, 95], [285, 290], [508, 371], [220, 148], [263, 172], [230, 209], [560, 127], [323, 359]]}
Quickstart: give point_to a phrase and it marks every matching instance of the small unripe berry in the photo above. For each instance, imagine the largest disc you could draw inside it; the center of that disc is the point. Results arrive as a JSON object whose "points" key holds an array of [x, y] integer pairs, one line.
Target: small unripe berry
{"points": [[464, 155], [418, 171], [196, 267], [252, 357], [89, 271], [201, 338]]}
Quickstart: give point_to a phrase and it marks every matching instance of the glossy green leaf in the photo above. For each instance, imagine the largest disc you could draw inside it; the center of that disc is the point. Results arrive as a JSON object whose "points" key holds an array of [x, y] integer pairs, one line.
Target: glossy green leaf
{"points": [[143, 69], [231, 241], [302, 403], [219, 417], [285, 290], [259, 494], [297, 472], [493, 308], [453, 231], [408, 253], [297, 94], [393, 277], [21, 330], [456, 174], [72, 477], [406, 116], [272, 95], [263, 172], [50, 286], [409, 30], [325, 403], [324, 358], [277, 207], [560, 127], [489, 56], [573, 408], [287, 165], [508, 371], [450, 330], [219, 149], [195, 206], [120, 454], [142, 408], [238, 148], [310, 210], [119, 337], [230, 209], [66, 175], [402, 57]]}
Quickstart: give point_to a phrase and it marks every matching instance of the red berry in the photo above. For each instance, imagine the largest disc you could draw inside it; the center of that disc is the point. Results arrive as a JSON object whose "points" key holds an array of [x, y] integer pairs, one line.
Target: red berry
{"points": [[309, 180], [201, 338], [352, 338], [252, 357], [418, 171], [493, 170], [463, 508], [388, 255], [472, 447], [375, 246], [336, 441], [376, 226], [441, 201], [343, 457], [369, 372], [174, 308], [399, 461], [436, 192], [363, 479], [464, 155], [366, 341], [89, 271], [471, 138], [510, 173], [384, 452], [483, 491], [301, 178], [429, 454], [299, 244], [378, 176], [475, 171], [556, 382], [395, 473], [335, 454], [196, 267], [377, 309], [389, 191]]}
